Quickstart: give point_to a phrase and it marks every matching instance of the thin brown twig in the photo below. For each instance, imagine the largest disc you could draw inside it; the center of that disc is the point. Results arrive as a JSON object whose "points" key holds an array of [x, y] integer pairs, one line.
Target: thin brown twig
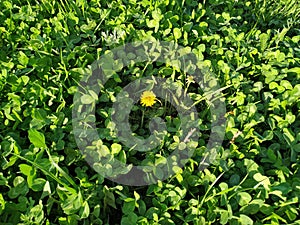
{"points": [[189, 135]]}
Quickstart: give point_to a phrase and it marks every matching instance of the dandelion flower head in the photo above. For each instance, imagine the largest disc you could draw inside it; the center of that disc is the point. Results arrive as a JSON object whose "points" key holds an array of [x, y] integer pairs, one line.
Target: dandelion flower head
{"points": [[148, 98]]}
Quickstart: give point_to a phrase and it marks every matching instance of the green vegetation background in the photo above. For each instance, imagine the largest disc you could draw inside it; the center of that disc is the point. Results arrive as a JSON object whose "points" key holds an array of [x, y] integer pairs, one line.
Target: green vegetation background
{"points": [[252, 47]]}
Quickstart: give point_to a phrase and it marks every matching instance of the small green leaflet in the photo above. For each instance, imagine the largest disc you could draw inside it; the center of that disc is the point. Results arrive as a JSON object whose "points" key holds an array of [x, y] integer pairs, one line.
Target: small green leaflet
{"points": [[37, 138]]}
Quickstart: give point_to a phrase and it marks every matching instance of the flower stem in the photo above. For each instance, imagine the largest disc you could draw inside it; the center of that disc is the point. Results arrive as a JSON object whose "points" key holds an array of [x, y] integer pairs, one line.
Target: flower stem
{"points": [[142, 120]]}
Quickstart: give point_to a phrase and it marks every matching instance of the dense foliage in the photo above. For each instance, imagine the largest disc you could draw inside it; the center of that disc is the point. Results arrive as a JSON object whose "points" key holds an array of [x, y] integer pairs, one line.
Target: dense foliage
{"points": [[251, 46]]}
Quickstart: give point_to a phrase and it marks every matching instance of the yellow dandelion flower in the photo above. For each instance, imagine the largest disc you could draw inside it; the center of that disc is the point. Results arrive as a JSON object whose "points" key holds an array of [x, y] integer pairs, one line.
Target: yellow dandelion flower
{"points": [[148, 98]]}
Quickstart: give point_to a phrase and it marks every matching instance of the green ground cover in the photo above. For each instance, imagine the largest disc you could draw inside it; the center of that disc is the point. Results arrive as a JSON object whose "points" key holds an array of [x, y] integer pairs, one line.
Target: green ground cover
{"points": [[251, 46]]}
